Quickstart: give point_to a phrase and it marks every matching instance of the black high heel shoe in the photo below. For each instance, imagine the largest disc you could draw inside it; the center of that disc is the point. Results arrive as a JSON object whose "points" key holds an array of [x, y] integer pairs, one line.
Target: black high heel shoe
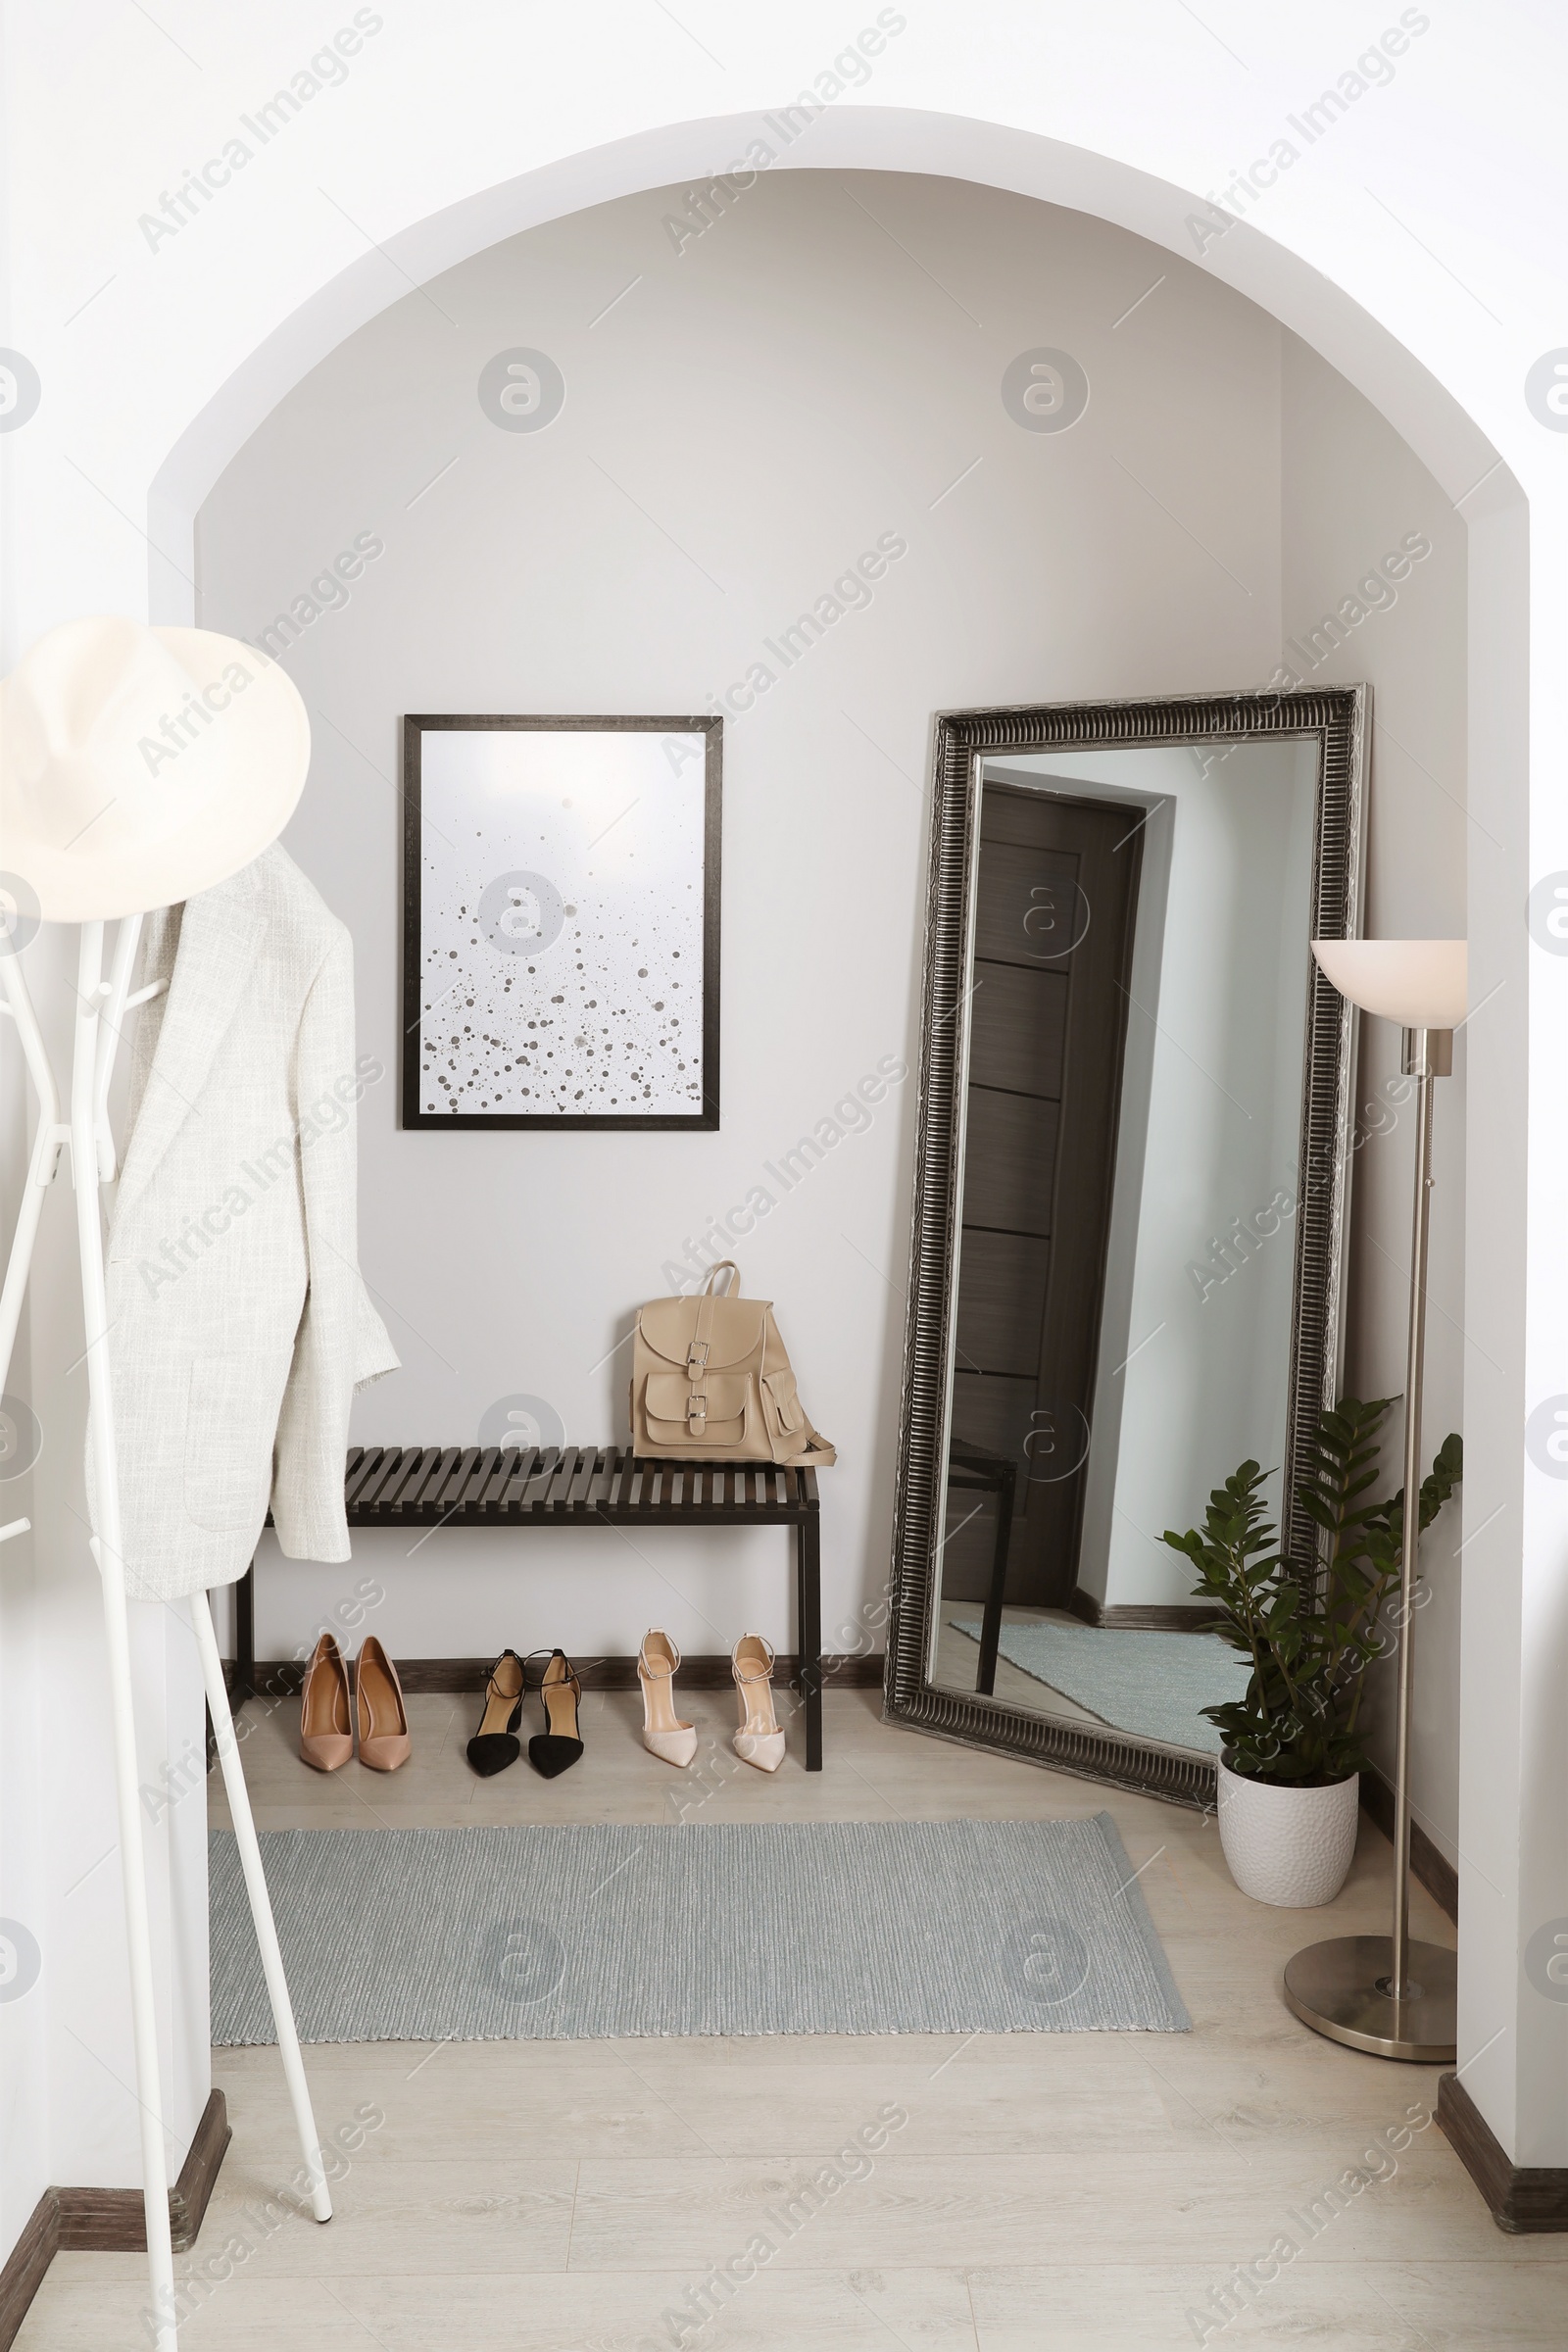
{"points": [[494, 1744], [558, 1746]]}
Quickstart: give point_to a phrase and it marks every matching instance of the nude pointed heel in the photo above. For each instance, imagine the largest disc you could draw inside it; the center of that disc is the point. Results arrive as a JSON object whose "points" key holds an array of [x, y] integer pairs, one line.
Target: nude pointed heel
{"points": [[384, 1742], [326, 1726], [759, 1740], [663, 1734]]}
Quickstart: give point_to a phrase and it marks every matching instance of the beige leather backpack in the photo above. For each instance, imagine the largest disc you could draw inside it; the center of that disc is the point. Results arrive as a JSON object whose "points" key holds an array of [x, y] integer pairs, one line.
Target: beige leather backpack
{"points": [[710, 1382]]}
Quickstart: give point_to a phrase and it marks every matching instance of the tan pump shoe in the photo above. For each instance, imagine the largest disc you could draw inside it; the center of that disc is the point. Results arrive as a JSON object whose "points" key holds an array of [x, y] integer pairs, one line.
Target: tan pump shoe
{"points": [[759, 1740], [384, 1742], [326, 1726], [663, 1734]]}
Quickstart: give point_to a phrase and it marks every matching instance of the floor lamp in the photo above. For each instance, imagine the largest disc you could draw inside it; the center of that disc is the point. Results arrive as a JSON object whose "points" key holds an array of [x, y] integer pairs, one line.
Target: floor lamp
{"points": [[102, 1005], [1388, 1994]]}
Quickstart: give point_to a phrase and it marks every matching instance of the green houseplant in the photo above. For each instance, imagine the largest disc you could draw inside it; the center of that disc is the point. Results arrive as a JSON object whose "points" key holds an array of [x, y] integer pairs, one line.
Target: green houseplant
{"points": [[1310, 1630]]}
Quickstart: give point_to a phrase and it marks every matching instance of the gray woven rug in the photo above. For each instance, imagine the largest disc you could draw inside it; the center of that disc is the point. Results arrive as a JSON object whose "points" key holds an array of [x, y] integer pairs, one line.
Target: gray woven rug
{"points": [[611, 1931]]}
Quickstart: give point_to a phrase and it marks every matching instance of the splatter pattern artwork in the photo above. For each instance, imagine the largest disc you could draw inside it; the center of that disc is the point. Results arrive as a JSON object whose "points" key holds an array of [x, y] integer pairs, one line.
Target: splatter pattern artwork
{"points": [[560, 923]]}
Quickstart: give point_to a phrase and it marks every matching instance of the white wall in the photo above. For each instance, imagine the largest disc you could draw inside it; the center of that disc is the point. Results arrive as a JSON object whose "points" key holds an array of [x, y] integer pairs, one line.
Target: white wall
{"points": [[758, 410], [1354, 494], [24, 1876]]}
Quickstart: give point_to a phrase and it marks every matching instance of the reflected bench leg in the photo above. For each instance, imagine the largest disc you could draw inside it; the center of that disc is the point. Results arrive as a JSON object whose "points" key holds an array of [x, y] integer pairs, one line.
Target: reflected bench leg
{"points": [[991, 1622], [809, 1620]]}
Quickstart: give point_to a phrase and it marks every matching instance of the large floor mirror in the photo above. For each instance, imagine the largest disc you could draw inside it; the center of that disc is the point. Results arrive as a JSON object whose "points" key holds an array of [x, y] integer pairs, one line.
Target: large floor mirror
{"points": [[1130, 1198]]}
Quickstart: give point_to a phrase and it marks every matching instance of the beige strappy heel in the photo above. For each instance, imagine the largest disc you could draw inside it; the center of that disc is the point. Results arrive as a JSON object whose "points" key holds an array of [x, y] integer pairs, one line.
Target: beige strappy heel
{"points": [[663, 1734], [759, 1740]]}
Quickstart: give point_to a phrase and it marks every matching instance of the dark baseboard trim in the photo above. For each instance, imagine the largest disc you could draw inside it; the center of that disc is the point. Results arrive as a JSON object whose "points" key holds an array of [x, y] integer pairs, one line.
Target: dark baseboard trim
{"points": [[1526, 2200], [114, 2221], [1428, 1862], [280, 1677], [23, 2273], [109, 2220], [1176, 1617]]}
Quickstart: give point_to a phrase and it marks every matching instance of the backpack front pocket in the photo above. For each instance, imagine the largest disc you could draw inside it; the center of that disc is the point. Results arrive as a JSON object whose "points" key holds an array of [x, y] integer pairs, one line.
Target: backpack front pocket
{"points": [[710, 1412]]}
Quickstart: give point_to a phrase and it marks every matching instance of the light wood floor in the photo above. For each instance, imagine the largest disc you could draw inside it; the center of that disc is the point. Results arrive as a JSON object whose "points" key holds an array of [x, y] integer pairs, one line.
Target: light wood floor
{"points": [[1045, 2194]]}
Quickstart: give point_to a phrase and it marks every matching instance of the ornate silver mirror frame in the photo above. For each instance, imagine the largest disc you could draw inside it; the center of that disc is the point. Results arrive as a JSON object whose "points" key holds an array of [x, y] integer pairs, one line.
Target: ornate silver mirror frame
{"points": [[1339, 718]]}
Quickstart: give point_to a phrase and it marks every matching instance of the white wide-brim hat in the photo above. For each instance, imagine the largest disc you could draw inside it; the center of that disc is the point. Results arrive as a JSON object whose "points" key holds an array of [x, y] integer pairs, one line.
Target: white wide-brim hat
{"points": [[139, 767]]}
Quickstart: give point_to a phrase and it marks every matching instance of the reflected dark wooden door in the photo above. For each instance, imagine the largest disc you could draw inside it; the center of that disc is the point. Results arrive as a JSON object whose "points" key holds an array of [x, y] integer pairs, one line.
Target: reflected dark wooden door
{"points": [[1056, 893]]}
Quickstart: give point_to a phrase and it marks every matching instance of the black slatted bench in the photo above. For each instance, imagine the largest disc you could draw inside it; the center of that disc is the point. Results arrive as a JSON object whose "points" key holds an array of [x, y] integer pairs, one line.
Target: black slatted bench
{"points": [[580, 1486]]}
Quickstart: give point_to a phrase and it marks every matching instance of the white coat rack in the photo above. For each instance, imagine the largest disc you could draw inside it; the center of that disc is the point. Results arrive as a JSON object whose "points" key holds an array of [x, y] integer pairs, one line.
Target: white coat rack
{"points": [[102, 1005]]}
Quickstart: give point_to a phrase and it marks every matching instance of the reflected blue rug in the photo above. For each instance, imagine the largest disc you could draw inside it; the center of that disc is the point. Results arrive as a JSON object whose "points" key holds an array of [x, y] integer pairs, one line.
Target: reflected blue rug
{"points": [[1151, 1684], [618, 1929]]}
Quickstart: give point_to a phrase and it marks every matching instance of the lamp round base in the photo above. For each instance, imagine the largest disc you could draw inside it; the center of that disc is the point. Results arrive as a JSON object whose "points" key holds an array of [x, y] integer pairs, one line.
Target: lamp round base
{"points": [[1337, 1988]]}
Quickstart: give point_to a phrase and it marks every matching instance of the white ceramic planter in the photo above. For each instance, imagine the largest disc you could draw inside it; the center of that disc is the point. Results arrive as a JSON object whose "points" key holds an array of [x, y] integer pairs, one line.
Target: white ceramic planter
{"points": [[1290, 1847]]}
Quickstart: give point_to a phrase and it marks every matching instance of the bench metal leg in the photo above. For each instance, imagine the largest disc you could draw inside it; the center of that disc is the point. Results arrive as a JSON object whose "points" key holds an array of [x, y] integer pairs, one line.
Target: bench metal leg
{"points": [[809, 1620], [245, 1637]]}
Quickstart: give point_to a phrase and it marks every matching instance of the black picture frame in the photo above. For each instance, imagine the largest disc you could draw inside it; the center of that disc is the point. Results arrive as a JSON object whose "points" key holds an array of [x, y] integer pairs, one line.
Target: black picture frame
{"points": [[1340, 717], [415, 725]]}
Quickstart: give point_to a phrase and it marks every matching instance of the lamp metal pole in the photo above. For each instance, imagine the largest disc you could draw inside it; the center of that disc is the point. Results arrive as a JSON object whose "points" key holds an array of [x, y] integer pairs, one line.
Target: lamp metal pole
{"points": [[1417, 1063], [1384, 1993]]}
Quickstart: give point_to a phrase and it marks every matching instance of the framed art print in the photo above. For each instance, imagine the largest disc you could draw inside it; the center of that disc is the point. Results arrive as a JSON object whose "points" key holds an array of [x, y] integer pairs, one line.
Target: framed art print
{"points": [[560, 922]]}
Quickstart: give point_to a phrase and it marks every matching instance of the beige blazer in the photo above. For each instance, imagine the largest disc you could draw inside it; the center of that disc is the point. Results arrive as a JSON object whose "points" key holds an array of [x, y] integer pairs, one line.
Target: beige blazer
{"points": [[240, 1325]]}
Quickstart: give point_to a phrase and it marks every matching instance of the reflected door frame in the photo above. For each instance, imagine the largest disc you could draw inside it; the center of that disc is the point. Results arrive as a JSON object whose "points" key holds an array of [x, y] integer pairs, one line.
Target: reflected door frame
{"points": [[1060, 1055]]}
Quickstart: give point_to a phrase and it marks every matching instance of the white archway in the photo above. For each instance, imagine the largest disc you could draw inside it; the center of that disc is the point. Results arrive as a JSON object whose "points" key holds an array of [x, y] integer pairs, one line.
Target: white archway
{"points": [[1450, 445]]}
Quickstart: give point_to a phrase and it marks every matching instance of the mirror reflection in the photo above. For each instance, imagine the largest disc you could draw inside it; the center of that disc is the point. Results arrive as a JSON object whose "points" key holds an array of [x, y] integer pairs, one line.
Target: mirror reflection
{"points": [[1134, 1052]]}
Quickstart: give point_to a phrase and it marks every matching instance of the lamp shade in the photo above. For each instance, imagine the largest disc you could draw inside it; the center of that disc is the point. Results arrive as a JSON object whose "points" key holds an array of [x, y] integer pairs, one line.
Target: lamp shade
{"points": [[1420, 983]]}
